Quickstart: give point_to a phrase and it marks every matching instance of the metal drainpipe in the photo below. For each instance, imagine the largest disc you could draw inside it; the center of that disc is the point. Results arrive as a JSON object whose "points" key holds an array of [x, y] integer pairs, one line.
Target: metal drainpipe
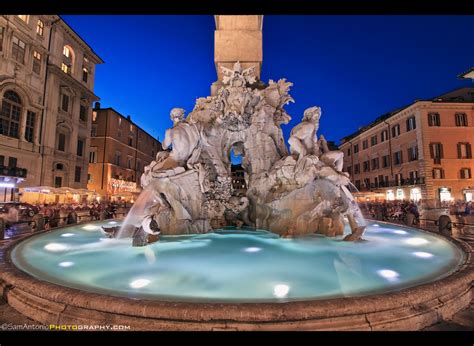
{"points": [[44, 102], [105, 145], [389, 146]]}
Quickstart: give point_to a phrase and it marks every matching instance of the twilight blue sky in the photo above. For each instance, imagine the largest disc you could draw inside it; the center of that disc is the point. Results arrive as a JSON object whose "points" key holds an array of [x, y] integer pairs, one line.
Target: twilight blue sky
{"points": [[354, 67]]}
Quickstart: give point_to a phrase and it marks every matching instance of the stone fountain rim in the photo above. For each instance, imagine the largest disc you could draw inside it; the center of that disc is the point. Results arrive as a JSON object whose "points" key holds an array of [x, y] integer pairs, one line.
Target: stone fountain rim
{"points": [[45, 302]]}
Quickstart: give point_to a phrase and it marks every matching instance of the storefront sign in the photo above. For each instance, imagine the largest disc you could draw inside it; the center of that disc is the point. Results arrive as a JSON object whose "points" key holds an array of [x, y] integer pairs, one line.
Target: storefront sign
{"points": [[119, 185]]}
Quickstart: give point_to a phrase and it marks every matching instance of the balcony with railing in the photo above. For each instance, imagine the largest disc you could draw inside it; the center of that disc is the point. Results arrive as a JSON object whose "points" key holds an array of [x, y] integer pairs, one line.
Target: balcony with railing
{"points": [[393, 183], [13, 172]]}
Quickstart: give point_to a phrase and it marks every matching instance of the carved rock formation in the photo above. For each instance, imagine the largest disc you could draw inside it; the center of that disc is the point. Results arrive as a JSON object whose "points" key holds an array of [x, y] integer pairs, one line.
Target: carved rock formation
{"points": [[188, 189]]}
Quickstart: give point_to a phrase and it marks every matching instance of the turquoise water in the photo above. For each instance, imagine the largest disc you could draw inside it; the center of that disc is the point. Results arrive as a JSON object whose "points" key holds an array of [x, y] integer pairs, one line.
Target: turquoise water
{"points": [[233, 265]]}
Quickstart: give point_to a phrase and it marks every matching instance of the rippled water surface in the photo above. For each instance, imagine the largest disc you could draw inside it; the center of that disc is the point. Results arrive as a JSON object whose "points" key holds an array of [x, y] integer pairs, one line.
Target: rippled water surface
{"points": [[237, 265]]}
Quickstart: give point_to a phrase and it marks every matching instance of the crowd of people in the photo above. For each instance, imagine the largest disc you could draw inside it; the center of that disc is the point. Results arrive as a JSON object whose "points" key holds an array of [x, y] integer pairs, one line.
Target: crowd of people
{"points": [[391, 210], [399, 209], [56, 214]]}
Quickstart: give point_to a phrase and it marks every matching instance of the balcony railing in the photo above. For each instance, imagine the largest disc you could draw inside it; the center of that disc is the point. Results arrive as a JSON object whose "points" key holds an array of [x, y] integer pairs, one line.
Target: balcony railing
{"points": [[13, 172], [394, 183]]}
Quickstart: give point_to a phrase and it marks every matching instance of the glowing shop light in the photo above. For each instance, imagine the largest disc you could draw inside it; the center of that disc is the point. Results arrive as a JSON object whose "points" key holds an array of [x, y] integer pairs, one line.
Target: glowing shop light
{"points": [[55, 247], [416, 241], [66, 264], [280, 291], [423, 254], [139, 283], [8, 185], [252, 249], [66, 235], [399, 231], [90, 227], [388, 274]]}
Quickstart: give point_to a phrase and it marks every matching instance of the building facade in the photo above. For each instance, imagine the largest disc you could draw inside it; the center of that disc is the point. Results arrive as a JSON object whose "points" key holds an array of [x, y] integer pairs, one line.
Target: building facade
{"points": [[118, 154], [238, 179], [421, 151], [46, 88]]}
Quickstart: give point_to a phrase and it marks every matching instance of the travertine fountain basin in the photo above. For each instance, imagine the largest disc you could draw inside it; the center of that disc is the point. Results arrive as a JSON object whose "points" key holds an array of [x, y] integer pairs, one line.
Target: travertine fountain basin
{"points": [[244, 279]]}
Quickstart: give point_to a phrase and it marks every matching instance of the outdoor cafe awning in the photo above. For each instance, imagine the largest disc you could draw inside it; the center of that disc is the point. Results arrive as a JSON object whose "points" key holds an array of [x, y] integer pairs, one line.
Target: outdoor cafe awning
{"points": [[57, 190]]}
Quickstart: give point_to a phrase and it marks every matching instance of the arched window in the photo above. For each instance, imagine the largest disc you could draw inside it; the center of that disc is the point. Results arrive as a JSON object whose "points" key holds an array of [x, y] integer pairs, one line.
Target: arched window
{"points": [[40, 27], [68, 60], [10, 114]]}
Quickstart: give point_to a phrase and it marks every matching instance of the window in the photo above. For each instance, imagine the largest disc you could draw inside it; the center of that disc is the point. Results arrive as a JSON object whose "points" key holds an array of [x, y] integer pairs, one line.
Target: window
{"points": [[65, 102], [30, 126], [120, 121], [357, 168], [59, 166], [117, 158], [18, 50], [376, 182], [373, 140], [130, 141], [397, 158], [413, 176], [65, 68], [365, 144], [24, 17], [131, 128], [12, 162], [438, 173], [384, 136], [396, 130], [119, 134], [83, 113], [366, 166], [375, 163], [85, 74], [348, 150], [385, 161], [464, 151], [57, 181], [10, 114], [152, 153], [413, 153], [367, 182], [357, 184], [77, 174], [139, 165], [89, 178], [36, 62], [61, 142], [356, 148], [93, 156], [80, 147], [436, 150], [433, 119], [94, 116], [398, 179], [2, 160], [67, 52], [129, 163], [411, 123], [349, 170], [465, 173], [2, 30], [93, 131], [381, 182], [40, 27], [461, 119]]}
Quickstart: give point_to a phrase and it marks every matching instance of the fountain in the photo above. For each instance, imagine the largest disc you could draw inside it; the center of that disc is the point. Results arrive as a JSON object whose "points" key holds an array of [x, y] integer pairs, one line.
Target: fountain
{"points": [[188, 189], [192, 254]]}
